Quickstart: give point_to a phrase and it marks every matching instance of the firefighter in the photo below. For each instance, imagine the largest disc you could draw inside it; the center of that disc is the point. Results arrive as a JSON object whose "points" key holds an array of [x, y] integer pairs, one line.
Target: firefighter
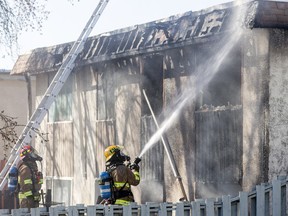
{"points": [[123, 176], [30, 179]]}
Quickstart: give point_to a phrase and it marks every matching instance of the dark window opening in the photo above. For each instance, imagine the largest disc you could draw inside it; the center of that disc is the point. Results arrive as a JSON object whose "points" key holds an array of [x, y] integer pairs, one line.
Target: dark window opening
{"points": [[152, 84]]}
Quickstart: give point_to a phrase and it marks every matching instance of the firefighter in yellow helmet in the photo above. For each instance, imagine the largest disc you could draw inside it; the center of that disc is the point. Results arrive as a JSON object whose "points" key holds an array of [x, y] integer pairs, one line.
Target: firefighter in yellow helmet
{"points": [[123, 176], [29, 178]]}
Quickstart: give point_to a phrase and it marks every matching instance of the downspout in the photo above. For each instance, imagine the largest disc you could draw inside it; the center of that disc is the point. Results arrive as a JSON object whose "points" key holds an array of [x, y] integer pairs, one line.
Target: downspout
{"points": [[29, 95]]}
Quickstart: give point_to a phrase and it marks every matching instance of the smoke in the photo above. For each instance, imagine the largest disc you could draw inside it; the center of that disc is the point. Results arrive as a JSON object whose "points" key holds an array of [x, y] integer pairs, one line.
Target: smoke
{"points": [[153, 193], [205, 72]]}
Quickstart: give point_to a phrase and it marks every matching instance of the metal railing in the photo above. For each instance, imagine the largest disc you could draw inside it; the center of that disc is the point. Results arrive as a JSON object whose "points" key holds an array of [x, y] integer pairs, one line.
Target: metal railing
{"points": [[265, 200]]}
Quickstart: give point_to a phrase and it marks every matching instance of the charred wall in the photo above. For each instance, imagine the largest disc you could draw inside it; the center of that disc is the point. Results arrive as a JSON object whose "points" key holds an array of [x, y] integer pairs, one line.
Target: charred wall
{"points": [[218, 162], [211, 120]]}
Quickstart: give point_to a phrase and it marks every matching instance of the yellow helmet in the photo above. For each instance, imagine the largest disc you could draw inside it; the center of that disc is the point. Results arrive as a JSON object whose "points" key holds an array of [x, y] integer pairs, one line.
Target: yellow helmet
{"points": [[110, 151]]}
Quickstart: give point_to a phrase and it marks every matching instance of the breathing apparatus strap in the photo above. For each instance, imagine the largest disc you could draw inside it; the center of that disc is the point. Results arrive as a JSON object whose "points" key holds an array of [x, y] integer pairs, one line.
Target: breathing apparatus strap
{"points": [[121, 193]]}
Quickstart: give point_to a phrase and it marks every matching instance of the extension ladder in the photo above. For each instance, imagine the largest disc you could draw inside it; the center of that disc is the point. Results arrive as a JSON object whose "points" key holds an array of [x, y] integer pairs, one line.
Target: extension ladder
{"points": [[51, 93]]}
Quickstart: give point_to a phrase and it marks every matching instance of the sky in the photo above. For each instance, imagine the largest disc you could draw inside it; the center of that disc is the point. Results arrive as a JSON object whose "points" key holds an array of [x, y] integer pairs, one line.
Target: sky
{"points": [[67, 20]]}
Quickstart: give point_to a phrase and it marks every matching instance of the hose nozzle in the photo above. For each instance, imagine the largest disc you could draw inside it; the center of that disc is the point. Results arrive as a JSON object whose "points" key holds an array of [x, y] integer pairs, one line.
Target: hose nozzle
{"points": [[134, 165], [137, 160]]}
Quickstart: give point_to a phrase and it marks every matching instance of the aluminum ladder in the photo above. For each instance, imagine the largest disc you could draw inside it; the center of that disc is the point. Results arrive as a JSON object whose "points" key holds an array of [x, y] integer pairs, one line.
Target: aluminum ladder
{"points": [[51, 93]]}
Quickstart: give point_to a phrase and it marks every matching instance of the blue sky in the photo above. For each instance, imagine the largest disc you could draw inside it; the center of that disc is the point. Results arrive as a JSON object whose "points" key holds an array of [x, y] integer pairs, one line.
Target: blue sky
{"points": [[66, 21]]}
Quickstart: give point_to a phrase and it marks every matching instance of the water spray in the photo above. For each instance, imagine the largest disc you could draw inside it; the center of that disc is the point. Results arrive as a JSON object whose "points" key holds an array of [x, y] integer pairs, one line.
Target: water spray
{"points": [[168, 151]]}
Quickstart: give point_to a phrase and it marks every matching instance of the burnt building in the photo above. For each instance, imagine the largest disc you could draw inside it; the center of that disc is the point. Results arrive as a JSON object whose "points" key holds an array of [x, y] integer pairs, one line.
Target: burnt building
{"points": [[216, 81]]}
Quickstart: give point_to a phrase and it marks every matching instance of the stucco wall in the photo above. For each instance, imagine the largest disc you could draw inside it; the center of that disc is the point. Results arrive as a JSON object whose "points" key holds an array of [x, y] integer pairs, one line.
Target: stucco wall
{"points": [[255, 68], [278, 104], [14, 101]]}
